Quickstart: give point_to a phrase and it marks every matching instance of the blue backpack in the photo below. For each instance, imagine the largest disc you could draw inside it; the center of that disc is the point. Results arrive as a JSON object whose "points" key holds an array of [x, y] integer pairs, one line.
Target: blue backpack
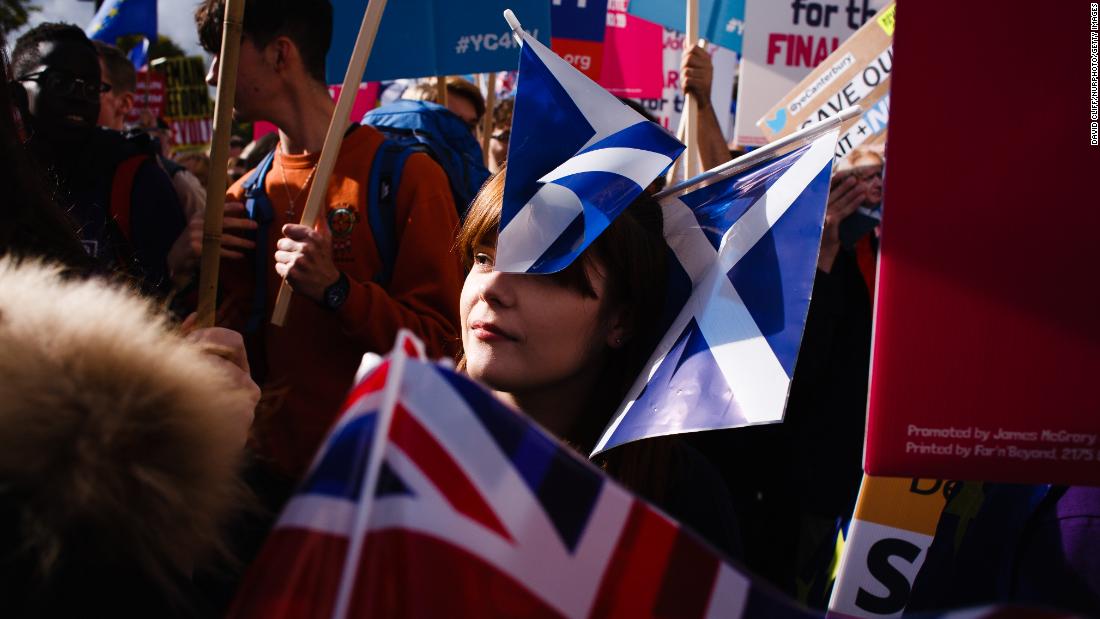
{"points": [[430, 128], [385, 178]]}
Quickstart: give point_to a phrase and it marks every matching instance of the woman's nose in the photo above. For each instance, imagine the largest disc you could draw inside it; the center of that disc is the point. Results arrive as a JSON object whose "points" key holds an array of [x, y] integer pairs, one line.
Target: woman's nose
{"points": [[498, 288]]}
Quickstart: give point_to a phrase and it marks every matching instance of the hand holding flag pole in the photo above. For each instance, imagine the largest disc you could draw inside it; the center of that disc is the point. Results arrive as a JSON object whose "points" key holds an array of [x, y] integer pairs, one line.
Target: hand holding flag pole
{"points": [[368, 30], [228, 59]]}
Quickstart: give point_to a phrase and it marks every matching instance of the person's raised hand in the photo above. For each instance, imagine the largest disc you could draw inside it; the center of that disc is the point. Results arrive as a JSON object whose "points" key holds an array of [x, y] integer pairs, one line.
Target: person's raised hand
{"points": [[846, 193], [697, 74]]}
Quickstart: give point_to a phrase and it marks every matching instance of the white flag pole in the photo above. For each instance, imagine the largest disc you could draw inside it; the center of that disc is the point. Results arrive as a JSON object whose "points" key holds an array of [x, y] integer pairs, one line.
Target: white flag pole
{"points": [[763, 153], [691, 109], [336, 129], [395, 375]]}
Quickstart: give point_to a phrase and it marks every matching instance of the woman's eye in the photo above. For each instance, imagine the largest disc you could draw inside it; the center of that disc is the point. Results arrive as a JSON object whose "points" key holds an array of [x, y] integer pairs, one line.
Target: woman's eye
{"points": [[483, 259]]}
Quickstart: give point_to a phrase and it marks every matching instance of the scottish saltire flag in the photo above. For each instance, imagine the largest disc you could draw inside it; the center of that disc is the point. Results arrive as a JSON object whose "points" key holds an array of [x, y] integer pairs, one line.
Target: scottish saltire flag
{"points": [[432, 499], [117, 18], [577, 157], [745, 255]]}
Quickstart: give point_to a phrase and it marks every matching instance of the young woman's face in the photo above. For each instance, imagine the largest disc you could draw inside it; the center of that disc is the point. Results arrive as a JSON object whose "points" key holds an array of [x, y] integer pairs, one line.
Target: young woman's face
{"points": [[527, 332]]}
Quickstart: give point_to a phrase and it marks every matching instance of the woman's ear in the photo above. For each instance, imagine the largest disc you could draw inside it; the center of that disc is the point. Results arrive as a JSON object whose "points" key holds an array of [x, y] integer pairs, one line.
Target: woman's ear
{"points": [[619, 329]]}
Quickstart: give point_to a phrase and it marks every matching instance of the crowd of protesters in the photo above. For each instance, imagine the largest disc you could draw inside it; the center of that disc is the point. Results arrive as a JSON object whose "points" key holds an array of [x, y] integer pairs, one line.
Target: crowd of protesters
{"points": [[142, 461]]}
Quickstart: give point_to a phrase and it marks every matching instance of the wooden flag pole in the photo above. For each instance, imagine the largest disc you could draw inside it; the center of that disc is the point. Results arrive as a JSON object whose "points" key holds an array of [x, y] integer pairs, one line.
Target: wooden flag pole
{"points": [[691, 110], [487, 120], [228, 60], [441, 90], [335, 136]]}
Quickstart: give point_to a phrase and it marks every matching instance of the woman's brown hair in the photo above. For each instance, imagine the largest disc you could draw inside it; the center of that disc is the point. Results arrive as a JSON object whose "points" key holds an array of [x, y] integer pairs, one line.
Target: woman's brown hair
{"points": [[631, 254]]}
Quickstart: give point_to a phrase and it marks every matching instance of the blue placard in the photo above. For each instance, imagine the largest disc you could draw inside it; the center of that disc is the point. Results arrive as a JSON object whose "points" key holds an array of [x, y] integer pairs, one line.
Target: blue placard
{"points": [[583, 20], [721, 22], [421, 38]]}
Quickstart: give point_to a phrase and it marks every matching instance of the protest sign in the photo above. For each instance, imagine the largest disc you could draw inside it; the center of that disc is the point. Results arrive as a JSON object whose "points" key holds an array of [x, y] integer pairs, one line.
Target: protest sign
{"points": [[422, 38], [857, 73], [888, 540], [783, 43], [986, 348], [633, 55], [721, 22], [577, 33], [669, 106], [148, 97], [188, 109]]}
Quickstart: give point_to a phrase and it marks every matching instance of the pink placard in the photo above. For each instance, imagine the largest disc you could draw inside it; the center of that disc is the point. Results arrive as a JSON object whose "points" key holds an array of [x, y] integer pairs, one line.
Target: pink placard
{"points": [[364, 102], [632, 56]]}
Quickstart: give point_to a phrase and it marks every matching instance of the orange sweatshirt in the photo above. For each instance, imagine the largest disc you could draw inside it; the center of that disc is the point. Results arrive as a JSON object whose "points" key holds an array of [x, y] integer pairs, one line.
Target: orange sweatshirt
{"points": [[311, 361]]}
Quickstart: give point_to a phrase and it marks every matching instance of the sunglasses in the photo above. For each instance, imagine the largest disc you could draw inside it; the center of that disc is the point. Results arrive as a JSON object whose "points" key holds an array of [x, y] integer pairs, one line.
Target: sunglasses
{"points": [[65, 84]]}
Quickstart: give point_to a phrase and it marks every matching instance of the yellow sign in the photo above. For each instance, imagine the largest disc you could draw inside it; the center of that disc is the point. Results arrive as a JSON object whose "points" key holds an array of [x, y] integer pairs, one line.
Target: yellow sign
{"points": [[886, 19]]}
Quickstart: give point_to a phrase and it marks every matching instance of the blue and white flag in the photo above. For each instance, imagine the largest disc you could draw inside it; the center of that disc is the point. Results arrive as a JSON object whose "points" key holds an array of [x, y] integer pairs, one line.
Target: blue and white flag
{"points": [[745, 252], [117, 18], [576, 159]]}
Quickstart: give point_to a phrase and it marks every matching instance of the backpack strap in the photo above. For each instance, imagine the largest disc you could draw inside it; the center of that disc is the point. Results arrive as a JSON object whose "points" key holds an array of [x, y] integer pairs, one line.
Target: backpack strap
{"points": [[385, 179], [259, 209], [122, 188]]}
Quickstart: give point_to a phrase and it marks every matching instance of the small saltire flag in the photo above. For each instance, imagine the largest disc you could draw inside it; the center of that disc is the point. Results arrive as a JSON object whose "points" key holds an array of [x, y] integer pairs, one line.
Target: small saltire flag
{"points": [[745, 255], [430, 498], [117, 18], [577, 157]]}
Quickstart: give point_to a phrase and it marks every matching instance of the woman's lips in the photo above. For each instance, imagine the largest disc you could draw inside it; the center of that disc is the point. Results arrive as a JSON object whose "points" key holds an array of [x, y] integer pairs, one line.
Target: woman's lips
{"points": [[488, 332]]}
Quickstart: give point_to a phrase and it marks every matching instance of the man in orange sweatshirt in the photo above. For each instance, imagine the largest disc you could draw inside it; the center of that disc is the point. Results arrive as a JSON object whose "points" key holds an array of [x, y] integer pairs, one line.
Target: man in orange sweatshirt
{"points": [[341, 307]]}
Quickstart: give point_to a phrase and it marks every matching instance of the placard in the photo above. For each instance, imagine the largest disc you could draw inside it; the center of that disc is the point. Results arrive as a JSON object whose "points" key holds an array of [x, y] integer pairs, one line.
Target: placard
{"points": [[857, 73], [783, 42], [986, 347]]}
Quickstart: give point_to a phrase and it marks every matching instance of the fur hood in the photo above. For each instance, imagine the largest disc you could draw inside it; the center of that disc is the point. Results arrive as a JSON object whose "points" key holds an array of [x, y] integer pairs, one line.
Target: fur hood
{"points": [[117, 437]]}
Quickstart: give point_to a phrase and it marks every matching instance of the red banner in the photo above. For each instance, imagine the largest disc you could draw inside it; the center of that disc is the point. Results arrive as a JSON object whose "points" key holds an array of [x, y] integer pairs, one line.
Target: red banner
{"points": [[987, 349], [148, 98]]}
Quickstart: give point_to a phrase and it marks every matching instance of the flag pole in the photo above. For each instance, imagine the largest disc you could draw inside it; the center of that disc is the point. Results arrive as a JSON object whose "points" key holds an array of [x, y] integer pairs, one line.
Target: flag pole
{"points": [[391, 392], [441, 90], [691, 111], [487, 121], [210, 262], [754, 157], [336, 128]]}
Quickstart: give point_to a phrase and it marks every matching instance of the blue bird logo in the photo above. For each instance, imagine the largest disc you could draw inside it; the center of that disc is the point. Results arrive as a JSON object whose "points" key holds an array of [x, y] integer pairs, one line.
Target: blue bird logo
{"points": [[776, 124]]}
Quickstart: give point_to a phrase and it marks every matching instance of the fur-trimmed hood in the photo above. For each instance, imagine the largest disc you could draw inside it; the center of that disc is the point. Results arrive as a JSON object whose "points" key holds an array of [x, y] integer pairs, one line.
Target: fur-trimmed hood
{"points": [[117, 437]]}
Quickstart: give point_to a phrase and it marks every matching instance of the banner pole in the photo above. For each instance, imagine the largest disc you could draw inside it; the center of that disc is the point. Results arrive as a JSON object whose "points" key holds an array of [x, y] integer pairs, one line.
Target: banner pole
{"points": [[487, 119], [216, 184], [336, 128], [691, 110]]}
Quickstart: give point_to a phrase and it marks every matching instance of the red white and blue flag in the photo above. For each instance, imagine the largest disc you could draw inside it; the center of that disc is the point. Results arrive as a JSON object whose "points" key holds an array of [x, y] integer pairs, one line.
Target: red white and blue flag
{"points": [[745, 247], [430, 498]]}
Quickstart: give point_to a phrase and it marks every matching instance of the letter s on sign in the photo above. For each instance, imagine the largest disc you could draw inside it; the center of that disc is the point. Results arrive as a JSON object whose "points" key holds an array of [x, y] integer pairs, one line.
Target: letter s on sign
{"points": [[897, 585]]}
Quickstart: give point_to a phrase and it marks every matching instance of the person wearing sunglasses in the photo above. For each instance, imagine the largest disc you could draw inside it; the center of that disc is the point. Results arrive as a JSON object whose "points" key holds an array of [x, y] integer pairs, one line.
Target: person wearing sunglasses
{"points": [[125, 210]]}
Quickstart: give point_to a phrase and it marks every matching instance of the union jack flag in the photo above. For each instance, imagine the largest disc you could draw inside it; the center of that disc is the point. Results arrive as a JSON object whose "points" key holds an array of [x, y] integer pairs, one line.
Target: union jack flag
{"points": [[576, 159], [745, 254], [432, 499]]}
